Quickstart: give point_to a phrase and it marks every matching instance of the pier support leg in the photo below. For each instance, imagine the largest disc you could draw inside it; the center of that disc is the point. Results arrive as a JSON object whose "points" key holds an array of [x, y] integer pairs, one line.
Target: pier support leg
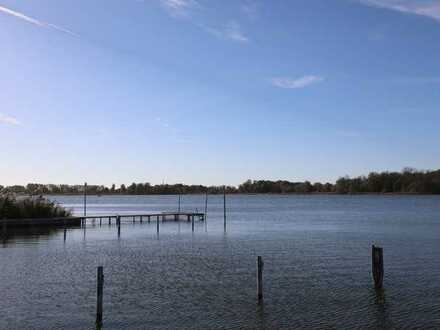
{"points": [[65, 234], [157, 224], [192, 223], [118, 223], [100, 291], [260, 265], [377, 266]]}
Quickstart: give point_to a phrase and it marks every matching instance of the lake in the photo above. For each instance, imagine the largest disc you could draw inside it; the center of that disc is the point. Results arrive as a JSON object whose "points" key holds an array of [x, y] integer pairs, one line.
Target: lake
{"points": [[317, 265]]}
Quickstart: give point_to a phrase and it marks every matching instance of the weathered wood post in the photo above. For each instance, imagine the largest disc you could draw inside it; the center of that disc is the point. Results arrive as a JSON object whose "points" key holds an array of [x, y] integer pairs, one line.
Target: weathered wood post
{"points": [[157, 224], [192, 223], [224, 207], [149, 218], [134, 219], [206, 206], [118, 223], [100, 222], [140, 219], [100, 291], [109, 221], [260, 265], [377, 266], [85, 198], [65, 234]]}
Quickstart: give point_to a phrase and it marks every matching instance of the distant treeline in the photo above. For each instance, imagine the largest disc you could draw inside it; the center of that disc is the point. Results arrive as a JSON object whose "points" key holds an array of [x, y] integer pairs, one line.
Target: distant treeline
{"points": [[407, 181]]}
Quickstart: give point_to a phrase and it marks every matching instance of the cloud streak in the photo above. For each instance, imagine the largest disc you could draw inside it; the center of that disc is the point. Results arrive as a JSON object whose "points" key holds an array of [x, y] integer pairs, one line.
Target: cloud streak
{"points": [[5, 119], [231, 31], [291, 83], [35, 21], [179, 7], [428, 8]]}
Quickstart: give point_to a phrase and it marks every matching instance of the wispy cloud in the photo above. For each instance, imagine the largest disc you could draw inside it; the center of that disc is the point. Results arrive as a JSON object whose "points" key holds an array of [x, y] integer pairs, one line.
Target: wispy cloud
{"points": [[179, 7], [428, 8], [292, 83], [8, 120], [231, 31], [250, 8], [35, 21]]}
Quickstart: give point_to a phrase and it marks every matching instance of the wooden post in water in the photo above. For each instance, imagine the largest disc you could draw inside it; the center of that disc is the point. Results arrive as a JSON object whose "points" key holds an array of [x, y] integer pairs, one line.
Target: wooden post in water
{"points": [[157, 223], [178, 208], [109, 221], [65, 234], [206, 206], [377, 266], [100, 291], [192, 223], [85, 198], [260, 265], [134, 219], [224, 207], [140, 219], [118, 223]]}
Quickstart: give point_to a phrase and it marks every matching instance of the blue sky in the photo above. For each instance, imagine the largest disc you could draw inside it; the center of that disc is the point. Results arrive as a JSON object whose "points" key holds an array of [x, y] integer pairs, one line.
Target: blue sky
{"points": [[216, 92]]}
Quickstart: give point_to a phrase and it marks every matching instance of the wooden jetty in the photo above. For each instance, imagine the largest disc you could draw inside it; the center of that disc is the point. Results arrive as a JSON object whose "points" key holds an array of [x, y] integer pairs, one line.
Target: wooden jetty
{"points": [[163, 216], [81, 220]]}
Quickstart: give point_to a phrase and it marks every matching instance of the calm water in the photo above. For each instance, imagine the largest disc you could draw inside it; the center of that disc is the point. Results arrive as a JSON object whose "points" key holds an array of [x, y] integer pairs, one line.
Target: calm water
{"points": [[316, 251]]}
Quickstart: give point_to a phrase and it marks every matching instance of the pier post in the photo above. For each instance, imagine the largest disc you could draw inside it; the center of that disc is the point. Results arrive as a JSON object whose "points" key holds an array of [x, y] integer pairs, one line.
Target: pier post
{"points": [[140, 219], [224, 207], [178, 208], [65, 234], [100, 222], [260, 265], [377, 266], [109, 221], [149, 218], [192, 223], [206, 206], [134, 219], [118, 223], [100, 291], [157, 223], [85, 198]]}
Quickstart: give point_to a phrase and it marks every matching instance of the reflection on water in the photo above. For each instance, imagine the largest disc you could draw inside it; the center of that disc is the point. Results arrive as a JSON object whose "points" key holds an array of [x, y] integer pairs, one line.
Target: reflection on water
{"points": [[317, 270]]}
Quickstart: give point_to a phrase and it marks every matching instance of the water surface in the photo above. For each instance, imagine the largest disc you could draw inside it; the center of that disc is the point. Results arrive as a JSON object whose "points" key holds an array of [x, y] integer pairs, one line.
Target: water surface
{"points": [[317, 271]]}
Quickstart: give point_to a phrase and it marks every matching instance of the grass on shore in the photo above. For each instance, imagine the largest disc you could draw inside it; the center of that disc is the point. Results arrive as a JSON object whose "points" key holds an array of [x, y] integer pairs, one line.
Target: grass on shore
{"points": [[12, 207]]}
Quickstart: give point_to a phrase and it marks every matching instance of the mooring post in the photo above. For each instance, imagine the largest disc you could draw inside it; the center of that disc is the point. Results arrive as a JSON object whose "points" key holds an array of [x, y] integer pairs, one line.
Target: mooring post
{"points": [[260, 265], [118, 223], [149, 218], [134, 219], [192, 223], [100, 222], [224, 207], [99, 292], [377, 266], [85, 198], [65, 234], [109, 221], [157, 223], [206, 207], [140, 219]]}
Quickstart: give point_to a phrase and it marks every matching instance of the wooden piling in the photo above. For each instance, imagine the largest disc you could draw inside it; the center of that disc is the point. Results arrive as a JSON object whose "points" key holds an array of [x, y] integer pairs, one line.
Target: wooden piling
{"points": [[149, 219], [100, 291], [118, 223], [377, 266], [206, 207], [192, 223], [109, 221], [65, 234], [260, 265], [224, 207], [85, 198], [134, 219], [140, 219], [100, 222], [157, 223], [178, 208]]}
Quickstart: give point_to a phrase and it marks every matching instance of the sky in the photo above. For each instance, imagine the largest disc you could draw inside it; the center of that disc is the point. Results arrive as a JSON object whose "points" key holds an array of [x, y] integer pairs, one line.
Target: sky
{"points": [[216, 92]]}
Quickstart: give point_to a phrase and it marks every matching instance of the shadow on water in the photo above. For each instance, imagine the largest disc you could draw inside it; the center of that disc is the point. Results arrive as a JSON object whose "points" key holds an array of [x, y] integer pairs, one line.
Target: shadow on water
{"points": [[16, 235], [381, 309]]}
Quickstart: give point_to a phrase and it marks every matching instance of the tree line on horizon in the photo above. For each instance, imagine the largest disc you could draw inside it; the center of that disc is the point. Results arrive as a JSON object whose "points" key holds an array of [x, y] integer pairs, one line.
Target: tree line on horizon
{"points": [[407, 181]]}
